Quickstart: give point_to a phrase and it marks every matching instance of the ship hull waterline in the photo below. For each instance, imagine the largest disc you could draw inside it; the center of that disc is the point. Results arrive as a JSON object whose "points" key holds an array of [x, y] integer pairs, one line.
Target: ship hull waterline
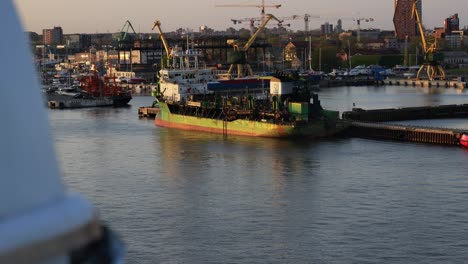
{"points": [[243, 127]]}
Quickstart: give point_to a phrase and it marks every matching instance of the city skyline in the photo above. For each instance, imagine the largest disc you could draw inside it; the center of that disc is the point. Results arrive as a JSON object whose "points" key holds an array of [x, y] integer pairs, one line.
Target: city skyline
{"points": [[104, 16]]}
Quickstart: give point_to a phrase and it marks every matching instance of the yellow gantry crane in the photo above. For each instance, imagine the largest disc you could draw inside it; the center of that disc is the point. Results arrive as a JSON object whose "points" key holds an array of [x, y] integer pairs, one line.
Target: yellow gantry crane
{"points": [[431, 63], [157, 24], [238, 57]]}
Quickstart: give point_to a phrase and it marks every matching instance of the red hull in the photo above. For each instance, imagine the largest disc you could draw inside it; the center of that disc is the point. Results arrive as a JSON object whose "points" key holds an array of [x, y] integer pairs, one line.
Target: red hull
{"points": [[464, 140]]}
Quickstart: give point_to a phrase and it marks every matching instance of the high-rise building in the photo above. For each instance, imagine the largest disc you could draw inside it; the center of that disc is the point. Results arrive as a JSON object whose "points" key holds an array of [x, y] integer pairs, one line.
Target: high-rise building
{"points": [[451, 24], [326, 29], [339, 26], [405, 23], [52, 36]]}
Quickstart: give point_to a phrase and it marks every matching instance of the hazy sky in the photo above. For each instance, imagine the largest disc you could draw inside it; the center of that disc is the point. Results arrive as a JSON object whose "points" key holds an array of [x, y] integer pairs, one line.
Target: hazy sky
{"points": [[91, 16]]}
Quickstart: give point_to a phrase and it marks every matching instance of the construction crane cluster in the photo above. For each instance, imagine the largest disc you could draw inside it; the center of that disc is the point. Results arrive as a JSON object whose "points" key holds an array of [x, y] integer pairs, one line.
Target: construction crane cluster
{"points": [[262, 7], [358, 25], [253, 20]]}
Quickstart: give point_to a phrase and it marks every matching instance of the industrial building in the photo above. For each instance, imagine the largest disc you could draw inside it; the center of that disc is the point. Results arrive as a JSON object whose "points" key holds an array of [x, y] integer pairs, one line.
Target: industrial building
{"points": [[405, 23]]}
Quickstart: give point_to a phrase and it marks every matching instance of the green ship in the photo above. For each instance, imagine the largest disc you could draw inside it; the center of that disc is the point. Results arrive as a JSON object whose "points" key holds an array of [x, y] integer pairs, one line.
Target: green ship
{"points": [[288, 110]]}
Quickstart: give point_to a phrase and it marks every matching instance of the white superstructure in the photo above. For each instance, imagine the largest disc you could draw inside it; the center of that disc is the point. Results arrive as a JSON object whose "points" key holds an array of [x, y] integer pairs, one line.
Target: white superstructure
{"points": [[184, 77]]}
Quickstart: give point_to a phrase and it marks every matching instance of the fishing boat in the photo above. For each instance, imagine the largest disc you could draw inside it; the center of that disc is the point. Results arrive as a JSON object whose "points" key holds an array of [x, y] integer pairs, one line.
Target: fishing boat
{"points": [[94, 91], [285, 111]]}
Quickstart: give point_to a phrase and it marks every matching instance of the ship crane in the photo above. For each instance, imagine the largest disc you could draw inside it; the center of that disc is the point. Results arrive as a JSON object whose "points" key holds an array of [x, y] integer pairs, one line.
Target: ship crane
{"points": [[239, 55], [431, 57], [262, 6], [358, 23]]}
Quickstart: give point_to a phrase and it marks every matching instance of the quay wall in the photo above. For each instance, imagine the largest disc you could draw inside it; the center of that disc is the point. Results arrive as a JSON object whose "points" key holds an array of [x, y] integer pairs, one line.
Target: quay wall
{"points": [[441, 136], [407, 113], [426, 83], [348, 82], [364, 124]]}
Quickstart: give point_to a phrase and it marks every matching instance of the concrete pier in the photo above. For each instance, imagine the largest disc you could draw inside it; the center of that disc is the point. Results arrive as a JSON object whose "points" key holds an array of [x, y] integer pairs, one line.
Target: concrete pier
{"points": [[363, 124], [407, 113], [426, 83], [441, 136], [149, 112]]}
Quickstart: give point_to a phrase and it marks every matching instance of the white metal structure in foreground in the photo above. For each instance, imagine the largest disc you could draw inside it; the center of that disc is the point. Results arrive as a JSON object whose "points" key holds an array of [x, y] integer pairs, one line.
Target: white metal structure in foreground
{"points": [[40, 222]]}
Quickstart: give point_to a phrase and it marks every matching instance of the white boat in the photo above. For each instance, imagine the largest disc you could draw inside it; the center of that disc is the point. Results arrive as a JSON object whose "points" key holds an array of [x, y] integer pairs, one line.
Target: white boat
{"points": [[40, 221]]}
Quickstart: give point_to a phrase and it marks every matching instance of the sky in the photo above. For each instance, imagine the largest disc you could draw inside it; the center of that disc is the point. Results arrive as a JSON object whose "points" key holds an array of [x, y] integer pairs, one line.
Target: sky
{"points": [[109, 16]]}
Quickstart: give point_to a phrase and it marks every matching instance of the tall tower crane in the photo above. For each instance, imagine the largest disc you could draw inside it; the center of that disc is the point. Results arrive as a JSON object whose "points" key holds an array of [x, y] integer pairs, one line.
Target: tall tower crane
{"points": [[306, 18], [358, 23], [431, 57], [262, 6], [239, 55], [251, 20]]}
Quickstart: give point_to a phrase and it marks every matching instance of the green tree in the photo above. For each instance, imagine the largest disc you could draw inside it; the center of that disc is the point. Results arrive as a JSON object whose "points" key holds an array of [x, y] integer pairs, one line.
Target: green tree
{"points": [[325, 58], [352, 42]]}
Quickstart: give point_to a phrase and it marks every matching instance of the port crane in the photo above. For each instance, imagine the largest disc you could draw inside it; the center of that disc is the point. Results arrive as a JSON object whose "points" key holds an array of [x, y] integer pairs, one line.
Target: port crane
{"points": [[262, 7], [358, 24], [431, 57], [239, 55], [157, 25], [124, 33]]}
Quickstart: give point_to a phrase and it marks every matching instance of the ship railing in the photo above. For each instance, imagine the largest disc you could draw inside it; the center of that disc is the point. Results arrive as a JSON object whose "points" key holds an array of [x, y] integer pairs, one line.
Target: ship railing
{"points": [[193, 52]]}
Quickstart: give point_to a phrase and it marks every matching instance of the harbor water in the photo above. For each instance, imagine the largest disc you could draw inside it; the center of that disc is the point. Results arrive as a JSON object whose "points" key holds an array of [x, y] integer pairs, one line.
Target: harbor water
{"points": [[187, 197]]}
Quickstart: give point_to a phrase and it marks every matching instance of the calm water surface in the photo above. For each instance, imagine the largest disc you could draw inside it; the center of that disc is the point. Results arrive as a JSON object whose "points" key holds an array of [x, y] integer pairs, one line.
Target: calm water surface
{"points": [[185, 197]]}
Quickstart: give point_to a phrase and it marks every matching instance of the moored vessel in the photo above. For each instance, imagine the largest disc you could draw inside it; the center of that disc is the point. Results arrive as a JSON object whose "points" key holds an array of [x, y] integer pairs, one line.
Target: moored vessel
{"points": [[286, 111], [94, 91]]}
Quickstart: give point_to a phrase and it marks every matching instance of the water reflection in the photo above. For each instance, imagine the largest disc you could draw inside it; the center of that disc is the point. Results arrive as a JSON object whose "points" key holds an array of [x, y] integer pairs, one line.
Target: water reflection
{"points": [[187, 152], [345, 98]]}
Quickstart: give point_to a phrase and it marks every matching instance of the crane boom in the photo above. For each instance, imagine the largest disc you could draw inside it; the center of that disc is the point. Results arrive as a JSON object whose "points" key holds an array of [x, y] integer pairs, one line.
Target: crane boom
{"points": [[260, 28], [262, 6], [123, 33], [431, 63], [239, 54], [157, 24], [415, 14], [128, 25]]}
